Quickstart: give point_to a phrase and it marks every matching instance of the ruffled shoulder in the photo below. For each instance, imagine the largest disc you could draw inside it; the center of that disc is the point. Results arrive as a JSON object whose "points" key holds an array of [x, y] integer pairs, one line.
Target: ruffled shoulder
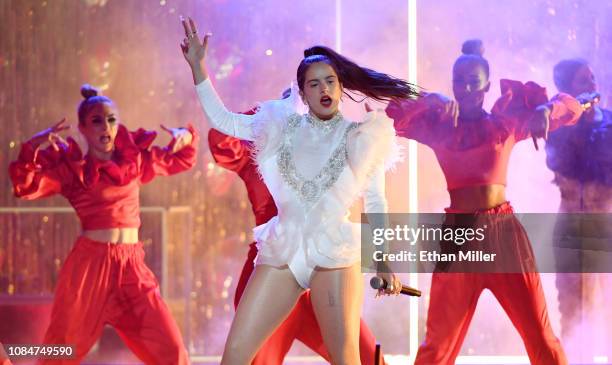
{"points": [[516, 105], [271, 120], [125, 164], [516, 96], [129, 142], [141, 138], [49, 157], [372, 143]]}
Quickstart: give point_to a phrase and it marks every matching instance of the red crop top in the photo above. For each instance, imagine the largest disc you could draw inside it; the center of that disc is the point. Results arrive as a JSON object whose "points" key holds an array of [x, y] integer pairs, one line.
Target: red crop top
{"points": [[105, 194], [477, 152]]}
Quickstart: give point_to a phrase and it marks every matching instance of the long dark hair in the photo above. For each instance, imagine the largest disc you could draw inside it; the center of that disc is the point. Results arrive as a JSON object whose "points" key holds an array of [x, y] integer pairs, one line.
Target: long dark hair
{"points": [[370, 83]]}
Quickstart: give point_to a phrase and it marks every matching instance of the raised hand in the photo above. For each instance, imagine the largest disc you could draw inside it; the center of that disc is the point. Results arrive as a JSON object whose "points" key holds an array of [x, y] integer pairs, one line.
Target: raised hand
{"points": [[182, 137], [51, 135], [539, 124], [195, 50]]}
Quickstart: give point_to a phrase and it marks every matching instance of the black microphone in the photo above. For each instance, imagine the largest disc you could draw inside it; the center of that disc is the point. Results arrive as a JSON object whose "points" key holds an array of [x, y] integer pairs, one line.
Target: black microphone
{"points": [[380, 283]]}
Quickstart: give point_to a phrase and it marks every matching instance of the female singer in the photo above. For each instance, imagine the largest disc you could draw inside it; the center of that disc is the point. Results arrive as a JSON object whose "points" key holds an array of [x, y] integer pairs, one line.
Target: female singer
{"points": [[314, 165]]}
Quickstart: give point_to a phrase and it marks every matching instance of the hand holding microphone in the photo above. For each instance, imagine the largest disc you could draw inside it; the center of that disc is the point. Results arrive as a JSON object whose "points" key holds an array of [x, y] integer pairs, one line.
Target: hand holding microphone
{"points": [[379, 283], [540, 121], [588, 100]]}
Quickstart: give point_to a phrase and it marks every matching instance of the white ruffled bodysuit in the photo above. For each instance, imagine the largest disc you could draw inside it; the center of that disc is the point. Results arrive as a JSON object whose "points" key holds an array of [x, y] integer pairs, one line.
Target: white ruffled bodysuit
{"points": [[314, 170]]}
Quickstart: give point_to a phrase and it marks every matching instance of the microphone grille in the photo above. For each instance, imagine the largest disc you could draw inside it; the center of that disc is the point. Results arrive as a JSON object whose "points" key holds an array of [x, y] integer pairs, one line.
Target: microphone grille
{"points": [[377, 283]]}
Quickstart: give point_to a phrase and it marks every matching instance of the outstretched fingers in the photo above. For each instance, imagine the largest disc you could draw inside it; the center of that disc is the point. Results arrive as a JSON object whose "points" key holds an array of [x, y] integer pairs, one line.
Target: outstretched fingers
{"points": [[56, 140], [61, 139], [169, 130], [192, 25], [185, 46], [205, 41], [186, 27], [191, 35], [60, 126]]}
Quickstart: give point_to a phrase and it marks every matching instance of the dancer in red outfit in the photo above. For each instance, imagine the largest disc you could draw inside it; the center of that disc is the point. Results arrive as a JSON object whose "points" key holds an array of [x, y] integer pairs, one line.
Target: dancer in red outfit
{"points": [[236, 155], [473, 148], [105, 279]]}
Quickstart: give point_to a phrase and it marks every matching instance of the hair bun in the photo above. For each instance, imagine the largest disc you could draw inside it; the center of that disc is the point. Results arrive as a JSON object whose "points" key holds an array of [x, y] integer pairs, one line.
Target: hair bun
{"points": [[473, 47], [88, 91]]}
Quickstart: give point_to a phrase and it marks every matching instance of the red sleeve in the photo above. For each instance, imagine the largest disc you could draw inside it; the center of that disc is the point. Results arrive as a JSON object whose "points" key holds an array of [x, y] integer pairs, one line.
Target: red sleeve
{"points": [[229, 152], [566, 111], [413, 120], [519, 101], [161, 161], [38, 173]]}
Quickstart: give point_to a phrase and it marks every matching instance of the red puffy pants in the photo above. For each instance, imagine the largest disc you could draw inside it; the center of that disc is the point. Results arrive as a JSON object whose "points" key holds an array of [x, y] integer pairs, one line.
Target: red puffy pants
{"points": [[105, 283], [454, 296], [301, 325]]}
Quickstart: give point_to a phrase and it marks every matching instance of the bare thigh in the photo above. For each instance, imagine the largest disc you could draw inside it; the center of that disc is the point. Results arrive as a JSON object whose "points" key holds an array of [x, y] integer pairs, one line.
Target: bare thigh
{"points": [[268, 299], [337, 296]]}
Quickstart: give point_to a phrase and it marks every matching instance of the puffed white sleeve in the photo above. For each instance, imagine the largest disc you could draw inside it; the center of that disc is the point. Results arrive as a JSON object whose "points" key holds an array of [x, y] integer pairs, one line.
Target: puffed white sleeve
{"points": [[374, 194], [375, 201], [238, 125], [372, 149]]}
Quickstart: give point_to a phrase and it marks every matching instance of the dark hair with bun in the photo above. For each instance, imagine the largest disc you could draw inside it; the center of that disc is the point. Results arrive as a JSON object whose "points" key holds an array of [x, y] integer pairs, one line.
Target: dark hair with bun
{"points": [[473, 50], [91, 97], [372, 84]]}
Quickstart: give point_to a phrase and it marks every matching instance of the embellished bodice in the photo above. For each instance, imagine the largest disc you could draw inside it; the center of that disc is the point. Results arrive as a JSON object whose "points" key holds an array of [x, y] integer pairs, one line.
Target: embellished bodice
{"points": [[312, 184]]}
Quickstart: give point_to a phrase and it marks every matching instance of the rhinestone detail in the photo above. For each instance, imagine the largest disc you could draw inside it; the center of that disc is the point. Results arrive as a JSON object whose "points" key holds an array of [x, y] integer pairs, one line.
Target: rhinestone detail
{"points": [[310, 190], [324, 125]]}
